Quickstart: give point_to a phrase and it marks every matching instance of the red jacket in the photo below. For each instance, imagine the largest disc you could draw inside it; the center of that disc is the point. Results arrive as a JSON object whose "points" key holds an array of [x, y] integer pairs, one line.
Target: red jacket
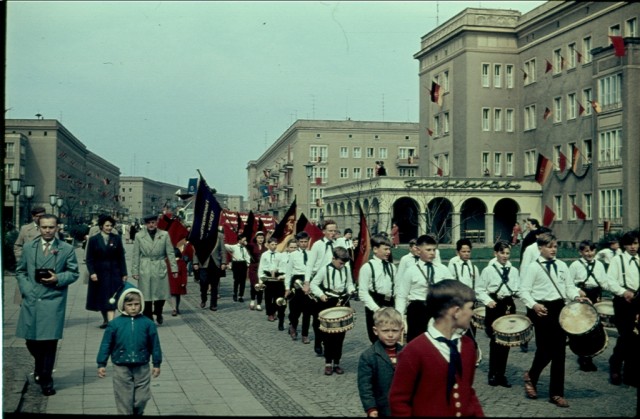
{"points": [[422, 371]]}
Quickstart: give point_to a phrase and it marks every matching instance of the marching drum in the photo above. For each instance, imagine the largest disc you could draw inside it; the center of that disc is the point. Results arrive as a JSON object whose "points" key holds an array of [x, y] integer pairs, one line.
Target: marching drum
{"points": [[336, 319], [605, 311], [512, 329], [478, 317], [582, 323]]}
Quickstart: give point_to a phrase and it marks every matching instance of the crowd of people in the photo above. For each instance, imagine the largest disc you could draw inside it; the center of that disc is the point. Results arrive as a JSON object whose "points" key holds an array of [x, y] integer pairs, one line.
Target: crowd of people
{"points": [[421, 315]]}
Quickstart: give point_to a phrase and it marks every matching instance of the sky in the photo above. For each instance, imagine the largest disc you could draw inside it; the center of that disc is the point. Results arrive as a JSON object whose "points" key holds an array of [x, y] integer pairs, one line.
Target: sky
{"points": [[164, 89]]}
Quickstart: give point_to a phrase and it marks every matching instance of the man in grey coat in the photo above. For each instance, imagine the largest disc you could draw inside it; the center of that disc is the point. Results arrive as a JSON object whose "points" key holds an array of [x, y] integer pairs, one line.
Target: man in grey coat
{"points": [[151, 248], [210, 273], [47, 267]]}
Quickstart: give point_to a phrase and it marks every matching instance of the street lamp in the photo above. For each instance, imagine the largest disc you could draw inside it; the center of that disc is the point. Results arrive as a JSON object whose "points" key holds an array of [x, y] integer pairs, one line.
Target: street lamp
{"points": [[29, 193], [59, 203], [16, 186], [309, 171], [53, 200]]}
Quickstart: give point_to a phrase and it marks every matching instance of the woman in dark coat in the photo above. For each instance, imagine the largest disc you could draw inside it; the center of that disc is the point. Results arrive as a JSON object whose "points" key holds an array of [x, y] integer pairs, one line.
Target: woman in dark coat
{"points": [[107, 269]]}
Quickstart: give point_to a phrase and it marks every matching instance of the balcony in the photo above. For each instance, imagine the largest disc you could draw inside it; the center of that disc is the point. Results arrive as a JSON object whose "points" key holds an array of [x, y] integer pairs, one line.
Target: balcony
{"points": [[408, 161]]}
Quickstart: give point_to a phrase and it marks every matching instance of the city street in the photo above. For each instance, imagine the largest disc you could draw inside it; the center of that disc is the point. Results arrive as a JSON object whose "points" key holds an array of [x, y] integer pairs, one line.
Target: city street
{"points": [[234, 362]]}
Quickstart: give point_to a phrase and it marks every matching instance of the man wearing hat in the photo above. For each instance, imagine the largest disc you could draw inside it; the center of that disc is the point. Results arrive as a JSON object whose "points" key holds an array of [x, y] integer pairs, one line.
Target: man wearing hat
{"points": [[151, 248], [27, 233]]}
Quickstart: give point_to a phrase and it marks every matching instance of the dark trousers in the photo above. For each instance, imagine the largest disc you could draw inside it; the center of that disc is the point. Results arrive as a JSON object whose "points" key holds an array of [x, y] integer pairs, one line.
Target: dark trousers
{"points": [[210, 276], [550, 346], [300, 304], [626, 350], [417, 319], [315, 308], [44, 355], [153, 307], [273, 291], [332, 342], [498, 354], [368, 314], [239, 270]]}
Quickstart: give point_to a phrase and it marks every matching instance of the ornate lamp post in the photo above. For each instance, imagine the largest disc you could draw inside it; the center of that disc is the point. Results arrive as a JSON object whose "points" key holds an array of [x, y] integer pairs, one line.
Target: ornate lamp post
{"points": [[59, 204], [309, 171], [29, 193], [53, 200], [16, 188]]}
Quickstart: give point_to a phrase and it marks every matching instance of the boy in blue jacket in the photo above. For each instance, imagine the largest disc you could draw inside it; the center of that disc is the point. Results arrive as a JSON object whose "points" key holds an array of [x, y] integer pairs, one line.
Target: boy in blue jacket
{"points": [[130, 340]]}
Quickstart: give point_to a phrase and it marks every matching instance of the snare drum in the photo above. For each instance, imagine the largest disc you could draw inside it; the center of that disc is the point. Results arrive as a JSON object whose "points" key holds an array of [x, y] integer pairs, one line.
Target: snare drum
{"points": [[336, 319], [512, 330], [478, 317], [581, 321], [606, 313]]}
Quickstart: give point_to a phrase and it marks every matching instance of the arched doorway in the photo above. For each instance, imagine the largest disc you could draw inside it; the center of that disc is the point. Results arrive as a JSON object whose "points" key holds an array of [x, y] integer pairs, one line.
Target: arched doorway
{"points": [[472, 225], [438, 219], [505, 216], [406, 215]]}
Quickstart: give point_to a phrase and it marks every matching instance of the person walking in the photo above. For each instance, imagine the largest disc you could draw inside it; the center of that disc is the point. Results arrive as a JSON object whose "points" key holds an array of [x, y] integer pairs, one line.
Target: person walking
{"points": [[47, 267], [105, 257], [151, 248]]}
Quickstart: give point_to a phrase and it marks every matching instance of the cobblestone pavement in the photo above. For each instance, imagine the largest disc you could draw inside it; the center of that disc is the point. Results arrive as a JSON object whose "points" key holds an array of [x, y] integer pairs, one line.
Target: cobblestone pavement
{"points": [[267, 373]]}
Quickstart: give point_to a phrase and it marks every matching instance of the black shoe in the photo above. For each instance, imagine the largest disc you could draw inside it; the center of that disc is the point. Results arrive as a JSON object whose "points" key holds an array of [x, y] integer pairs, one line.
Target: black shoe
{"points": [[499, 381], [615, 378], [240, 300], [48, 390], [235, 298], [213, 308], [318, 350], [159, 319], [524, 347], [202, 304], [103, 325], [280, 327], [587, 365], [36, 378]]}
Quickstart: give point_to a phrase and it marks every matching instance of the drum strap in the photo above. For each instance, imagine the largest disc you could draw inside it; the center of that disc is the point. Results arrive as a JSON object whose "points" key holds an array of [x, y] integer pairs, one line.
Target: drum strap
{"points": [[471, 273], [551, 278], [389, 273], [429, 278], [504, 275], [589, 268]]}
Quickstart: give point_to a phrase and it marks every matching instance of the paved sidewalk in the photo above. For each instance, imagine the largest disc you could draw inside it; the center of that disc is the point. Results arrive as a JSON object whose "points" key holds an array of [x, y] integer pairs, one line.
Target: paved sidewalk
{"points": [[234, 362]]}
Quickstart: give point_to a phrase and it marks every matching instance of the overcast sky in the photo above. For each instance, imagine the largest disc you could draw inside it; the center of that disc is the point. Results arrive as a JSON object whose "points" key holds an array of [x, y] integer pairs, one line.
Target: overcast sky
{"points": [[161, 89]]}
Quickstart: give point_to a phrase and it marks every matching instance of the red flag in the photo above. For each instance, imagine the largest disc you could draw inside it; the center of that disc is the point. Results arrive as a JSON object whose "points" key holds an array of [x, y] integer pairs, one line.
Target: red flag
{"points": [[596, 106], [240, 225], [543, 170], [606, 225], [579, 213], [363, 249], [436, 94], [562, 162], [318, 181], [578, 56], [618, 45], [430, 132], [548, 216], [439, 172], [314, 232], [549, 67], [172, 225], [574, 158], [547, 113], [580, 108], [286, 228]]}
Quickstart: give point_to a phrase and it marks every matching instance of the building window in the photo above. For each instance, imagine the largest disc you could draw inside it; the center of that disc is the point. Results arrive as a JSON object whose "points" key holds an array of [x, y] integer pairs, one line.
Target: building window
{"points": [[530, 117], [369, 172], [445, 81], [383, 153], [614, 31], [611, 204], [610, 145], [509, 164], [9, 169], [587, 150], [509, 120], [445, 123], [371, 152], [530, 71], [586, 100], [436, 125], [572, 54], [344, 173], [10, 149], [497, 119], [529, 162], [509, 75], [572, 112], [586, 50], [609, 91], [357, 173], [572, 211], [557, 206], [403, 172], [631, 28], [318, 153], [485, 75], [485, 163], [322, 173], [486, 114], [497, 164], [586, 205], [557, 109], [497, 75], [344, 152], [406, 152], [558, 61], [444, 163], [357, 152], [557, 150]]}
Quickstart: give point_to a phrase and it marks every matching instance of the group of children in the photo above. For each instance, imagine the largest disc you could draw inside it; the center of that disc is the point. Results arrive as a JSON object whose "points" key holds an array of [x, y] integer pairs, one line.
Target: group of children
{"points": [[433, 373]]}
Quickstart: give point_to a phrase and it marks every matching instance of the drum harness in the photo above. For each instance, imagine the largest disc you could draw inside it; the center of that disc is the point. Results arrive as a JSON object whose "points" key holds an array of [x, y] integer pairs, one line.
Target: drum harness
{"points": [[472, 273], [504, 275], [330, 292], [387, 271], [624, 275], [547, 271], [590, 274]]}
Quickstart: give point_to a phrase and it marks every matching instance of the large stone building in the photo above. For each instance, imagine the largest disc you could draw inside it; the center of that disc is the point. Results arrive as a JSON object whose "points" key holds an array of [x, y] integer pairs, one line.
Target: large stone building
{"points": [[312, 156], [513, 90], [43, 154]]}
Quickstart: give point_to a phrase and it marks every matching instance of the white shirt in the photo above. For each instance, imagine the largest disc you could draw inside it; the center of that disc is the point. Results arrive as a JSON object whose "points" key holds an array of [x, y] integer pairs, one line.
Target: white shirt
{"points": [[413, 285], [272, 261], [343, 242], [432, 334], [531, 254], [630, 276], [491, 282], [535, 284], [238, 253], [332, 279], [295, 266], [467, 274], [377, 281], [606, 255], [578, 272], [405, 261], [320, 255]]}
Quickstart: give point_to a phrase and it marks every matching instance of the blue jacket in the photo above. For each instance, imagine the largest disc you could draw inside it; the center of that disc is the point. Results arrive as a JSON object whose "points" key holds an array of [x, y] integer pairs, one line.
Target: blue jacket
{"points": [[130, 341]]}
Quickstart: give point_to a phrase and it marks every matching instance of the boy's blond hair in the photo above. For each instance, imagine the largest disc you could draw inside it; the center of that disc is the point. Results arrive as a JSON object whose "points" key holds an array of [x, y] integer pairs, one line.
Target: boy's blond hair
{"points": [[387, 316]]}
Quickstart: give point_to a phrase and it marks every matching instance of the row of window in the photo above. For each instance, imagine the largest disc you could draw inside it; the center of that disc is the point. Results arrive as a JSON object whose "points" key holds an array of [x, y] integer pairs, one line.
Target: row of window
{"points": [[320, 153], [610, 205], [375, 136]]}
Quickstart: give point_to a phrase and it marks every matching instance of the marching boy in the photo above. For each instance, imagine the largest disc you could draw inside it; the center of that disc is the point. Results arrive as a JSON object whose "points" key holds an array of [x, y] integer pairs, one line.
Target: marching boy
{"points": [[130, 339]]}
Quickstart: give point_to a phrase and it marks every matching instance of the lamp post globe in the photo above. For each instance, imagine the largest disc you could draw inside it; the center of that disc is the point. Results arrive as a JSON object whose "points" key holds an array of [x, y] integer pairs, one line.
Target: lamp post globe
{"points": [[53, 201]]}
